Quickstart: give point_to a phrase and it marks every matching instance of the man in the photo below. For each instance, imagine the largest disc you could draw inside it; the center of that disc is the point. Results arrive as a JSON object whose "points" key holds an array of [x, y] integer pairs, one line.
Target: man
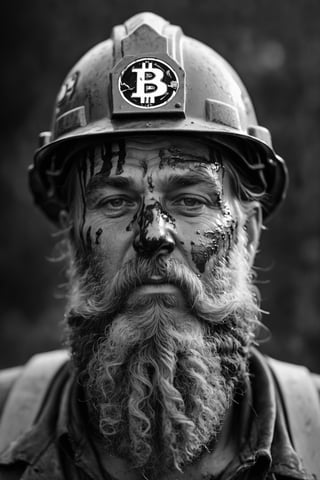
{"points": [[159, 178]]}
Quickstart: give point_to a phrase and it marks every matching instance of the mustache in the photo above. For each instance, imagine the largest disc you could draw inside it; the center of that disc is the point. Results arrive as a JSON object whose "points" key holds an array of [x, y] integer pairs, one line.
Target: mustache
{"points": [[107, 299], [142, 271]]}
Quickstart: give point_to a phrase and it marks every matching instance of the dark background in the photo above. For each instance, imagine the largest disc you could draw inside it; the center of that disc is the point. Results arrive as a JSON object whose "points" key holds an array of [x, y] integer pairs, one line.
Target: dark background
{"points": [[275, 47]]}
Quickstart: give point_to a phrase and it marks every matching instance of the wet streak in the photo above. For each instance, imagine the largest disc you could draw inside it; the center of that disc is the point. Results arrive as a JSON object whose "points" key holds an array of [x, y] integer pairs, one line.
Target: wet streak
{"points": [[216, 159], [144, 219], [106, 156], [148, 215], [88, 239], [143, 164], [160, 211], [122, 156], [174, 157], [134, 219], [150, 184], [218, 242], [98, 235]]}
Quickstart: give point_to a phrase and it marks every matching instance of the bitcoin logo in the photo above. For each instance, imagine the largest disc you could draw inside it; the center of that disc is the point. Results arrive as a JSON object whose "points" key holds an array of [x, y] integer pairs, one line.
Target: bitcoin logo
{"points": [[148, 83]]}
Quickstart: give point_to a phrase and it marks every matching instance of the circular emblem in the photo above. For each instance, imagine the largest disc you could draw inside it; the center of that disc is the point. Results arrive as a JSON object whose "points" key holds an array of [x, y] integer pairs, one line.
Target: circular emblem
{"points": [[148, 83]]}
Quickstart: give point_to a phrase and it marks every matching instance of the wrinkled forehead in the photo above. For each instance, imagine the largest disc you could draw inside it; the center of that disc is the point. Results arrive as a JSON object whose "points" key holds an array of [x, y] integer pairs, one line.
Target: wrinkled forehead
{"points": [[149, 153]]}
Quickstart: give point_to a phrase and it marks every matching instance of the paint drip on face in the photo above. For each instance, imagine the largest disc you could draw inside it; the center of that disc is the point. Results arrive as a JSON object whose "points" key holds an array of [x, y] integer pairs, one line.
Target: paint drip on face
{"points": [[87, 169], [149, 215], [218, 243], [106, 157], [150, 183], [121, 156], [98, 235], [88, 238], [174, 157], [144, 166]]}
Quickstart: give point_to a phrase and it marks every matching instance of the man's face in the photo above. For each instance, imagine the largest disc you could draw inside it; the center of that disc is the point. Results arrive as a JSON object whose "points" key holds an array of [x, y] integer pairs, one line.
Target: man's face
{"points": [[162, 310], [157, 197]]}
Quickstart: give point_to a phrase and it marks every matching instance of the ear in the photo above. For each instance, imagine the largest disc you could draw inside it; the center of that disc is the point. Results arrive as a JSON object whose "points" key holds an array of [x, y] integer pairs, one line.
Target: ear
{"points": [[253, 227]]}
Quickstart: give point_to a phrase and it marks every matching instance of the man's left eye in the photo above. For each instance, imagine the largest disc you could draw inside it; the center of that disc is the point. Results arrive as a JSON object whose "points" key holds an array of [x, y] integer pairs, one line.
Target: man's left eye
{"points": [[190, 202], [116, 202]]}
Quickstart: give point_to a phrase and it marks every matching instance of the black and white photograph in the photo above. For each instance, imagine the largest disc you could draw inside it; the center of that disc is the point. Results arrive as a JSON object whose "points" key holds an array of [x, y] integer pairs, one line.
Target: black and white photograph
{"points": [[160, 248]]}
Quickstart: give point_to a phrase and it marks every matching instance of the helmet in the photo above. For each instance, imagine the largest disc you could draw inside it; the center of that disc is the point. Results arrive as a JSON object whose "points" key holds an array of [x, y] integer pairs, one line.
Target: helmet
{"points": [[151, 78]]}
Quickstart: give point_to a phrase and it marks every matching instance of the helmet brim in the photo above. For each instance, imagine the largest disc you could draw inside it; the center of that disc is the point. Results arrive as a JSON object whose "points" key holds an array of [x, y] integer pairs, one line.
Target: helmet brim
{"points": [[275, 171]]}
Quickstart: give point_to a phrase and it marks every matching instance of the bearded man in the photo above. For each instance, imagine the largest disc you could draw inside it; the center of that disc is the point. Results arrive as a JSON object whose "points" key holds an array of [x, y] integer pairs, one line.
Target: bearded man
{"points": [[159, 178]]}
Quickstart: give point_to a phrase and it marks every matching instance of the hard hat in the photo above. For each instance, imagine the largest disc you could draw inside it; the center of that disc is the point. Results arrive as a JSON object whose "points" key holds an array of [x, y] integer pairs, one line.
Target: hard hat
{"points": [[151, 78]]}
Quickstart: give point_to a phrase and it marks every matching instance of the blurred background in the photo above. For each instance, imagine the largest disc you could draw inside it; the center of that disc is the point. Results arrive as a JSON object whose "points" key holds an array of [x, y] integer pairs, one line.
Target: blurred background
{"points": [[274, 46]]}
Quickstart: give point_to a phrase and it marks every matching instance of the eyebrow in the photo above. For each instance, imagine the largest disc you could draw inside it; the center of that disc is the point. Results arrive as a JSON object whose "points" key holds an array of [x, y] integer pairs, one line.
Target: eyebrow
{"points": [[168, 184], [189, 179], [102, 181]]}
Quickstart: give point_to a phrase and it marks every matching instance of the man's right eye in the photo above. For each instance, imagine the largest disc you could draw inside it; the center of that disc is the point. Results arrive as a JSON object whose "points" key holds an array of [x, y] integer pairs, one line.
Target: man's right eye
{"points": [[116, 204]]}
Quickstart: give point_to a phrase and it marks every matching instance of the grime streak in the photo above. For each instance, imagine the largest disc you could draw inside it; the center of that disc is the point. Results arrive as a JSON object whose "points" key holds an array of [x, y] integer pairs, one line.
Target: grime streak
{"points": [[130, 226], [98, 235], [106, 156], [144, 166], [150, 184], [88, 238], [122, 156], [216, 159], [175, 158], [217, 242], [147, 215]]}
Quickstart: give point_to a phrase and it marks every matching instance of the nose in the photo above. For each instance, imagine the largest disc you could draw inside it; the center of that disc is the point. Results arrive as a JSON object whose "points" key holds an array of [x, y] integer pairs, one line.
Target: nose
{"points": [[154, 237]]}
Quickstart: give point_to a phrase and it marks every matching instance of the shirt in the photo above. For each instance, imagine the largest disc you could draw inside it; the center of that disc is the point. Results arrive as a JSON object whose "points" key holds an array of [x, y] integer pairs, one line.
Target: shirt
{"points": [[58, 446]]}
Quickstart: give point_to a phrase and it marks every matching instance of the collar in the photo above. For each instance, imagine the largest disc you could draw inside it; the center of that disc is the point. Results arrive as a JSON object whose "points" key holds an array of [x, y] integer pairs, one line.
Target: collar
{"points": [[266, 446]]}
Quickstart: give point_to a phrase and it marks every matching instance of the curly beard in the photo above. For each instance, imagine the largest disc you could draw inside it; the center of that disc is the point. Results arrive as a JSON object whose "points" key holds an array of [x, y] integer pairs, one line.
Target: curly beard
{"points": [[159, 376]]}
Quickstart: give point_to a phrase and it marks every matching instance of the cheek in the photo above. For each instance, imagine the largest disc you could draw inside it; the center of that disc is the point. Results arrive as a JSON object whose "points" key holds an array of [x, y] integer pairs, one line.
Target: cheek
{"points": [[213, 246], [110, 242], [209, 242], [89, 234]]}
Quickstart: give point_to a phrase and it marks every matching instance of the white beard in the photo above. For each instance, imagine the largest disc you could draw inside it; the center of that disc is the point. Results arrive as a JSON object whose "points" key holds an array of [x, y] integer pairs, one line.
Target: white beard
{"points": [[158, 378]]}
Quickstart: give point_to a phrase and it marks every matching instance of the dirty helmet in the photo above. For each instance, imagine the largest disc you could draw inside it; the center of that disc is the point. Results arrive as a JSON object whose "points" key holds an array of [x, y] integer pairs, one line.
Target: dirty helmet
{"points": [[151, 78]]}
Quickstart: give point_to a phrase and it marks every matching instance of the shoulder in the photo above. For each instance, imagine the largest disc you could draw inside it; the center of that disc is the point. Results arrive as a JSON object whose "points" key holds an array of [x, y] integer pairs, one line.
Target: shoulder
{"points": [[30, 399], [316, 381], [36, 374], [294, 375], [25, 390], [8, 377], [292, 382]]}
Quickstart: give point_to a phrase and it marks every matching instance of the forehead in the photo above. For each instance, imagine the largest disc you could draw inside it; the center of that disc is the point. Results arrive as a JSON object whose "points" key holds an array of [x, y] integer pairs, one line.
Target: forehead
{"points": [[154, 154], [180, 147]]}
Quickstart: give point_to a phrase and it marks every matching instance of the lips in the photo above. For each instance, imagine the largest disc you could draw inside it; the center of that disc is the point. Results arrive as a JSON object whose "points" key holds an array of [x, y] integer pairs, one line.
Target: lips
{"points": [[155, 280]]}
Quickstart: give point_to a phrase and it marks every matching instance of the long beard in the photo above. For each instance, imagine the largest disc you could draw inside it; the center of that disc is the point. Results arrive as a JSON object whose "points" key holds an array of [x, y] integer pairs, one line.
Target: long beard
{"points": [[159, 377]]}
